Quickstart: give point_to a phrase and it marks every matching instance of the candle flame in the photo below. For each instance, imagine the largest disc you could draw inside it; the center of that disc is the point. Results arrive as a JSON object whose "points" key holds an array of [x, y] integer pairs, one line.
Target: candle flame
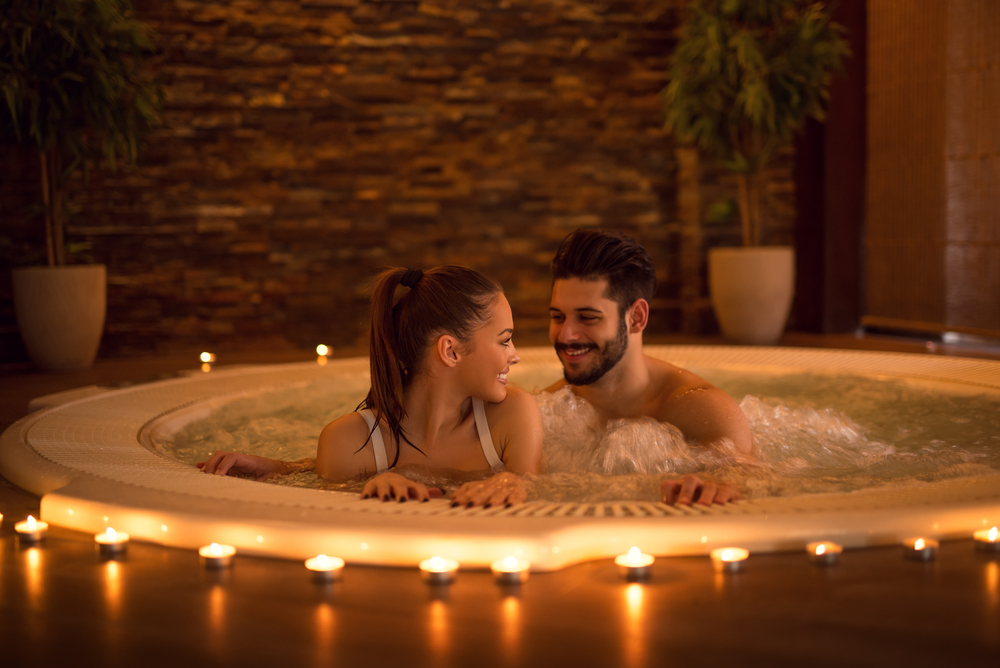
{"points": [[919, 544], [510, 562], [634, 554], [993, 534], [322, 350], [436, 563], [215, 549], [821, 548], [31, 523], [207, 357], [323, 561], [727, 555], [111, 534]]}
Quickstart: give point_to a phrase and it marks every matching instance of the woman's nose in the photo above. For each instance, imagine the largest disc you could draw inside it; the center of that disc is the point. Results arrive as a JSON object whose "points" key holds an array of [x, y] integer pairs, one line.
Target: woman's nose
{"points": [[512, 356]]}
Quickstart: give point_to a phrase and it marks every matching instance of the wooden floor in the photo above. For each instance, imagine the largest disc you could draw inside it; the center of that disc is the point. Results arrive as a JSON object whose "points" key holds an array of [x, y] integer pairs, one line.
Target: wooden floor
{"points": [[62, 605]]}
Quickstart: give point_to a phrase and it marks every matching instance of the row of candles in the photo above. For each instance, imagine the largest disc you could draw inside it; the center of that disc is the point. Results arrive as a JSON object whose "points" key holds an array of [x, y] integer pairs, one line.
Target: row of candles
{"points": [[323, 353], [634, 565]]}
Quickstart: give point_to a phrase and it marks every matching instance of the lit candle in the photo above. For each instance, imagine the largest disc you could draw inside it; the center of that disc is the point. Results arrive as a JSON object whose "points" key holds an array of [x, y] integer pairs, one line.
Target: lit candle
{"points": [[729, 559], [322, 354], [986, 540], [324, 568], [635, 565], [31, 531], [207, 360], [217, 556], [824, 553], [438, 570], [111, 542], [510, 570], [920, 549]]}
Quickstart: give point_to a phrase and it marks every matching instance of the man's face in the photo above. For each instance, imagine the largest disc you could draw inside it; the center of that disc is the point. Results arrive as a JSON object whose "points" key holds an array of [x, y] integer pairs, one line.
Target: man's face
{"points": [[589, 336]]}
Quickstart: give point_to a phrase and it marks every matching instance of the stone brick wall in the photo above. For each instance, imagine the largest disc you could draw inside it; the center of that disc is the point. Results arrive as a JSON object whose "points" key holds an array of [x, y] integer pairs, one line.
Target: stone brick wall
{"points": [[309, 143]]}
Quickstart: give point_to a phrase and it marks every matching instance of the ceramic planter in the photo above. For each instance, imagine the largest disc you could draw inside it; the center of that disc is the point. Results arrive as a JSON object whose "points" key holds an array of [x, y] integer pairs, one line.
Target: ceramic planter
{"points": [[60, 312], [752, 291]]}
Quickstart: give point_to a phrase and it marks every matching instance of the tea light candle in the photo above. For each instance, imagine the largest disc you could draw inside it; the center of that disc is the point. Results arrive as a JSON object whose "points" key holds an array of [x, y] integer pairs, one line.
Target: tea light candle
{"points": [[729, 559], [324, 568], [323, 354], [510, 570], [986, 540], [217, 556], [111, 542], [31, 531], [920, 549], [824, 553], [438, 570], [635, 565], [207, 360]]}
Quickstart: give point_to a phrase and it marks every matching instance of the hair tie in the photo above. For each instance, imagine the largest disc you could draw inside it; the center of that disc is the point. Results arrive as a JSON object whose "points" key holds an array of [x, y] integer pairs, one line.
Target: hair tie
{"points": [[411, 277]]}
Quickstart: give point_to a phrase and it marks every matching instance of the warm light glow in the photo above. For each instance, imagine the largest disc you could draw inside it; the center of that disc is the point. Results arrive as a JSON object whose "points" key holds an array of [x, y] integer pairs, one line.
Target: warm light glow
{"points": [[634, 553], [511, 562], [206, 367], [111, 537], [438, 565], [919, 544], [634, 559], [821, 549], [34, 559], [321, 360], [31, 524], [207, 357], [323, 563], [112, 588], [217, 551], [729, 554], [111, 534], [322, 350], [992, 535]]}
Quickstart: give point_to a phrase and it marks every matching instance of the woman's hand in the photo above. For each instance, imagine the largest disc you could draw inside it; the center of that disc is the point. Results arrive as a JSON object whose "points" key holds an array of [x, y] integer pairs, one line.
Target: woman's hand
{"points": [[390, 485], [693, 489], [241, 464], [502, 489]]}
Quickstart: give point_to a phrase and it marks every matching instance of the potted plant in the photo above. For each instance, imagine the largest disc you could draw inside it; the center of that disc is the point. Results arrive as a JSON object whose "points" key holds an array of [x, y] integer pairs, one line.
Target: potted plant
{"points": [[745, 76], [74, 88]]}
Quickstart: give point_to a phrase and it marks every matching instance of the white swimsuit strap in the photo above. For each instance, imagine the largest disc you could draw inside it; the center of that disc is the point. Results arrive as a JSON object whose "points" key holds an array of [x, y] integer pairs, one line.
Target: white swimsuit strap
{"points": [[485, 438], [378, 445]]}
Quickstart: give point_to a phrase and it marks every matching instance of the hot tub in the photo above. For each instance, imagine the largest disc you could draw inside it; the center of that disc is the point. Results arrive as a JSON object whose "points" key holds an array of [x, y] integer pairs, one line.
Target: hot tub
{"points": [[95, 464]]}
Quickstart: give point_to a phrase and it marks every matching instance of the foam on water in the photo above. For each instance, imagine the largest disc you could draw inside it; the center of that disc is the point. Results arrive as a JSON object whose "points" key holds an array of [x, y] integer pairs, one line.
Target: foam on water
{"points": [[824, 434]]}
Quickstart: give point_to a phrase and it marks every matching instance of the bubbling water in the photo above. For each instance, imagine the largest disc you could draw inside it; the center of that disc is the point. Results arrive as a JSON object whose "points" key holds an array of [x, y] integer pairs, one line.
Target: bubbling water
{"points": [[826, 434]]}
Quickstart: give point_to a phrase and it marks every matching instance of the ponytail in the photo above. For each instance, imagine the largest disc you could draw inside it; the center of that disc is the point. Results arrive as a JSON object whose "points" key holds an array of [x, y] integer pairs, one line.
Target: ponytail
{"points": [[444, 300]]}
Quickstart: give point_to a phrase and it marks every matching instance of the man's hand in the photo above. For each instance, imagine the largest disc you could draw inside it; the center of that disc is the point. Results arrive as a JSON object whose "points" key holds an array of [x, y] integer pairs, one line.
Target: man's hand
{"points": [[502, 489], [691, 489]]}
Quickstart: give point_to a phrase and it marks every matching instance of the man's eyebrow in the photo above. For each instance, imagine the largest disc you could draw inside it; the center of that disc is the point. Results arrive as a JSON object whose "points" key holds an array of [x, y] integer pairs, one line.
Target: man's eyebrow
{"points": [[509, 330], [582, 309]]}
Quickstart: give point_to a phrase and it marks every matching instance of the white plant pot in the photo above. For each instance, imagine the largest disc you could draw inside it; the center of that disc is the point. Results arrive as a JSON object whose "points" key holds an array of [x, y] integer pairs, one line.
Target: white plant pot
{"points": [[752, 291], [60, 312]]}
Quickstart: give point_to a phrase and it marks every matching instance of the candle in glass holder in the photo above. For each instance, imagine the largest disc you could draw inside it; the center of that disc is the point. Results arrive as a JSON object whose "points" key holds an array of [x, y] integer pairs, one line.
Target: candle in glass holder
{"points": [[111, 543], [217, 556], [729, 559], [635, 565], [920, 549], [31, 531], [824, 553], [510, 570], [324, 568], [987, 540], [438, 570]]}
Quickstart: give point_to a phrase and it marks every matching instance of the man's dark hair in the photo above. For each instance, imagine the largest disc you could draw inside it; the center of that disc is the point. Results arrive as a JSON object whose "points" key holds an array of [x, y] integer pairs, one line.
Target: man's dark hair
{"points": [[593, 254]]}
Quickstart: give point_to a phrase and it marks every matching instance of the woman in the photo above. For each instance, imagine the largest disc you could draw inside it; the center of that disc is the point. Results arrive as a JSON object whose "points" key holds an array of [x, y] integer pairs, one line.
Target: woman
{"points": [[439, 399]]}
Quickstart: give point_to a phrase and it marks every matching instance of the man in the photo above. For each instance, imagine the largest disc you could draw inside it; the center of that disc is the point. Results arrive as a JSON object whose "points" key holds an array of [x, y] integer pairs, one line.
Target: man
{"points": [[602, 283]]}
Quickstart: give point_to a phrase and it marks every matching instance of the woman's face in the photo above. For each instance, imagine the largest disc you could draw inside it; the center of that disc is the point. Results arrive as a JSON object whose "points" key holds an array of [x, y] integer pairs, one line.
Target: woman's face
{"points": [[491, 355]]}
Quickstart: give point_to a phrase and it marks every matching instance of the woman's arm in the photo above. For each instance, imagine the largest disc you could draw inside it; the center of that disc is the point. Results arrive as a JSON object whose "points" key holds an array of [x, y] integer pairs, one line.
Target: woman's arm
{"points": [[240, 464], [516, 426]]}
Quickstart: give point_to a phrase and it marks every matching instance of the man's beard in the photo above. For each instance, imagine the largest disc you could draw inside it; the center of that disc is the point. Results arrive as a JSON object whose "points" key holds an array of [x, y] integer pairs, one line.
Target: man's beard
{"points": [[611, 354]]}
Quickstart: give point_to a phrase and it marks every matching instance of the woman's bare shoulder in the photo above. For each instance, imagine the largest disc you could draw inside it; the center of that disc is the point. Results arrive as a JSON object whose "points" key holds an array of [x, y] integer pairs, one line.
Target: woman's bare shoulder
{"points": [[344, 449], [516, 405]]}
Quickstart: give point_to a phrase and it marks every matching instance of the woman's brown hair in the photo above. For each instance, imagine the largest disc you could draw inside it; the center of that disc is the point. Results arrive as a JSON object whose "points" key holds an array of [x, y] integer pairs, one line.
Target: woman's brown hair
{"points": [[444, 300]]}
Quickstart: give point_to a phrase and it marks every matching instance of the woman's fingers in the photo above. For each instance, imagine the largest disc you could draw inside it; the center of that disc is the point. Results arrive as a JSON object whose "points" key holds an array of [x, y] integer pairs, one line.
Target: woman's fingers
{"points": [[726, 494], [708, 492], [689, 489], [213, 462]]}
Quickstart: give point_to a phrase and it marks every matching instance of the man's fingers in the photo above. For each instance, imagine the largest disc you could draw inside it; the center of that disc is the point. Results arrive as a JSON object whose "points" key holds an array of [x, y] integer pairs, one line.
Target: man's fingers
{"points": [[689, 488], [726, 494], [668, 491], [708, 492]]}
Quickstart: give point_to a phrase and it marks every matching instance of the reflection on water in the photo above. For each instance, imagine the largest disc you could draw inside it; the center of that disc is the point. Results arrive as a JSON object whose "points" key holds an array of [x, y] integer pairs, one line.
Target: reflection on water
{"points": [[812, 433], [112, 588], [635, 640]]}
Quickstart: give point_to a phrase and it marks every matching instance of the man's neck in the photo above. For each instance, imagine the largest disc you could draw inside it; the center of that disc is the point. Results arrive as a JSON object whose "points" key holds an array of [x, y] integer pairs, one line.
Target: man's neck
{"points": [[622, 391]]}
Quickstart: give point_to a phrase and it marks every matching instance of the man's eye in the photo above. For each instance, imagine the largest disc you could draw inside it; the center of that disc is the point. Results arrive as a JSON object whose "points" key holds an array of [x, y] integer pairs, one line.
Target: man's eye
{"points": [[556, 318], [587, 318]]}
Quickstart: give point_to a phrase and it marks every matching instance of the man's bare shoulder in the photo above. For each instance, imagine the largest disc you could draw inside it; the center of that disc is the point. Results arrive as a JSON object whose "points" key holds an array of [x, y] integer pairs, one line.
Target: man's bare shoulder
{"points": [[670, 380]]}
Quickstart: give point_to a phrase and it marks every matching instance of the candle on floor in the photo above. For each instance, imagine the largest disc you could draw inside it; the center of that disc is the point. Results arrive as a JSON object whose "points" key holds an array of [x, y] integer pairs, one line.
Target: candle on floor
{"points": [[510, 570], [207, 360], [729, 559], [824, 553], [217, 556], [635, 565], [324, 568], [987, 540], [322, 354], [31, 531], [111, 542], [438, 570], [920, 549]]}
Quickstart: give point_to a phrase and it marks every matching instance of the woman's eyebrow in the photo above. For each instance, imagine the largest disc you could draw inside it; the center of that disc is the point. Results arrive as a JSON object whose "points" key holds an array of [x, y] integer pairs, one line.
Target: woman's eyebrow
{"points": [[509, 330]]}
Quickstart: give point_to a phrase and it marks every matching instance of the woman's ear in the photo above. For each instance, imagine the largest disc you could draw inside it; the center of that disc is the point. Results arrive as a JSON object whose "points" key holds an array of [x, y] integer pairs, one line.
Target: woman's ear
{"points": [[447, 350], [638, 316]]}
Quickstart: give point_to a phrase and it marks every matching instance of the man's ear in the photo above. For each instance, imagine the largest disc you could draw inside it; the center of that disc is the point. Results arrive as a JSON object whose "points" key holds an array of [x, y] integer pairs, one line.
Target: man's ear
{"points": [[637, 316], [447, 350]]}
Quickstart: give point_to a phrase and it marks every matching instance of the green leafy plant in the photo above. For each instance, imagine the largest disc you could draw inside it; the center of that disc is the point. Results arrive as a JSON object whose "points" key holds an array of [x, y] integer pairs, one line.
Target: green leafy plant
{"points": [[75, 87], [745, 76]]}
